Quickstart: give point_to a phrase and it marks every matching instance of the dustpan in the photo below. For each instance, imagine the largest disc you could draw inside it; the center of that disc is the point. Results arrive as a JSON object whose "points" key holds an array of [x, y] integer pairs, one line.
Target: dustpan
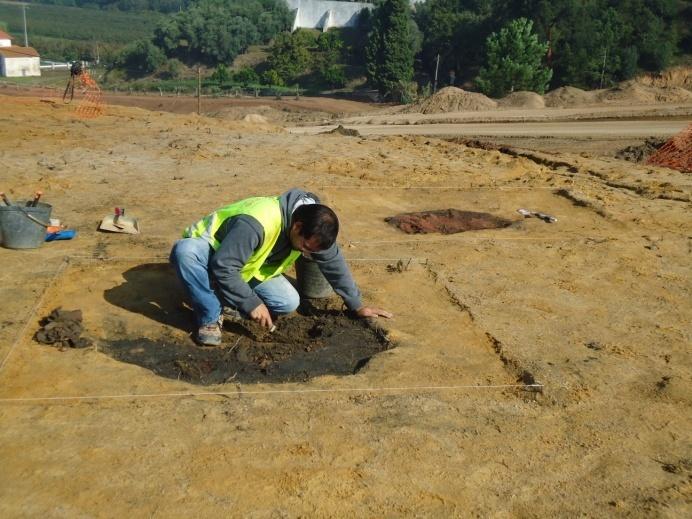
{"points": [[118, 222]]}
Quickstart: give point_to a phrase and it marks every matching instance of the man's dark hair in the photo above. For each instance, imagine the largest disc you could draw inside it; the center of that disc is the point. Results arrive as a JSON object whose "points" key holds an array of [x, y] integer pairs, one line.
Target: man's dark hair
{"points": [[319, 221]]}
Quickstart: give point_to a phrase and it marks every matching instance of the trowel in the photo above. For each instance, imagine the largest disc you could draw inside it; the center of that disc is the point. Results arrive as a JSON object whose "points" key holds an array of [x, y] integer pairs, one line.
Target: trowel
{"points": [[118, 222]]}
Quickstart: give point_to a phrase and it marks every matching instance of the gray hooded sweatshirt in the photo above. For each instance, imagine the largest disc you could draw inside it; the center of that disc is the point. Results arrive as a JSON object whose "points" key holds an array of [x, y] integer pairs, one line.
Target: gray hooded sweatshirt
{"points": [[241, 235]]}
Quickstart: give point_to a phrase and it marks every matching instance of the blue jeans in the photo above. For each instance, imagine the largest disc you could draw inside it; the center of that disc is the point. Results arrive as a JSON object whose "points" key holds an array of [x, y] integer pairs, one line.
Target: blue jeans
{"points": [[190, 258]]}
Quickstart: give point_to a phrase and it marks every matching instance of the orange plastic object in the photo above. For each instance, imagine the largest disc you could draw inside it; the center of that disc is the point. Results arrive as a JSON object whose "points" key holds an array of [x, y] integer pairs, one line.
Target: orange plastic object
{"points": [[91, 104], [676, 153]]}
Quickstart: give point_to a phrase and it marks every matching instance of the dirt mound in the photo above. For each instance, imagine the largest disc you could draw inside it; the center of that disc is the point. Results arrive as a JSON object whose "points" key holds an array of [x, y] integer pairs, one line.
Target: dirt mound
{"points": [[446, 221], [640, 152], [452, 99], [279, 113], [522, 99], [239, 113], [633, 92], [568, 96], [340, 130], [255, 119], [62, 328], [674, 77]]}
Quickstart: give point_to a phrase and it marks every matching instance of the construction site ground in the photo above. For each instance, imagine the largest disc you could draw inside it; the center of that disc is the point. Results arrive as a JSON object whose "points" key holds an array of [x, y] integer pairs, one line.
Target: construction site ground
{"points": [[450, 420]]}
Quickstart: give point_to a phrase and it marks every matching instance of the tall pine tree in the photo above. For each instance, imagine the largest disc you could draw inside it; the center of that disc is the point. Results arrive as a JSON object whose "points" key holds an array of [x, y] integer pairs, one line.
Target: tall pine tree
{"points": [[515, 61], [389, 51]]}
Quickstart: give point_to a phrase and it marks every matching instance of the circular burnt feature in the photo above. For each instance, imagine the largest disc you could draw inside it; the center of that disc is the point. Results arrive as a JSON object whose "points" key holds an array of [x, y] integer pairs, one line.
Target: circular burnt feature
{"points": [[328, 342], [446, 221]]}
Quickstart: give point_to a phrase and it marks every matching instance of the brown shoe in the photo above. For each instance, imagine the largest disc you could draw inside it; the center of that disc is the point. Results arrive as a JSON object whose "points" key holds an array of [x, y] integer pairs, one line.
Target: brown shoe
{"points": [[210, 334]]}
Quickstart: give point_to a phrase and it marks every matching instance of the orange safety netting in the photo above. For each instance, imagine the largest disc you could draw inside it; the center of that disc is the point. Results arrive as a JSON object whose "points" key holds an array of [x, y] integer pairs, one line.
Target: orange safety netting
{"points": [[676, 153], [91, 104]]}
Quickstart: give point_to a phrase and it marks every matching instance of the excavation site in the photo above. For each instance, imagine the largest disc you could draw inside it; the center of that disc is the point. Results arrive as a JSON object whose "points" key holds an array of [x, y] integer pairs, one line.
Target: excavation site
{"points": [[517, 345]]}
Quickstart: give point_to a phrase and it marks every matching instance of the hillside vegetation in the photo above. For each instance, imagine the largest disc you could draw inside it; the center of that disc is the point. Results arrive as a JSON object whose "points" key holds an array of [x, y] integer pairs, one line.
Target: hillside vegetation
{"points": [[60, 32]]}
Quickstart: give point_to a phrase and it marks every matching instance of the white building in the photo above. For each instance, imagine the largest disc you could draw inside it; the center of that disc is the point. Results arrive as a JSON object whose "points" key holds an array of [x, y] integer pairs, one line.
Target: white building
{"points": [[16, 61], [322, 14], [325, 14]]}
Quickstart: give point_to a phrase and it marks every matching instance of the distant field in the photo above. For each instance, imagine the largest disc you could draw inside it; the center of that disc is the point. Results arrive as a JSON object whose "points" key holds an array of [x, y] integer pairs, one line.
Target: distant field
{"points": [[77, 24]]}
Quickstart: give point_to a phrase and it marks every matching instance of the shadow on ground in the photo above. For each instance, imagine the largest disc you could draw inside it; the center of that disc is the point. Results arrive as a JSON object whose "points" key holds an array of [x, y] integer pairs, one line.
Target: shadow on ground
{"points": [[153, 291]]}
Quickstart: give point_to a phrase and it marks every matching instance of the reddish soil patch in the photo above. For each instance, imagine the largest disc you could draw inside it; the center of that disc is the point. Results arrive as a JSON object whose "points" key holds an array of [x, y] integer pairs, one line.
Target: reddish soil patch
{"points": [[446, 221]]}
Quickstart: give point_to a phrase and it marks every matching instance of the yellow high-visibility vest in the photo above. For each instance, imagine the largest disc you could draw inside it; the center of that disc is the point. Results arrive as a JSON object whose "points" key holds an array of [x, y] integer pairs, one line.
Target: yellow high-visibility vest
{"points": [[267, 211]]}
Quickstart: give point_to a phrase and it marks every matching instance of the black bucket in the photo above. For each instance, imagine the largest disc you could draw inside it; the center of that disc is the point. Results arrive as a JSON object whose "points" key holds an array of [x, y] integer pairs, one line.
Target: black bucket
{"points": [[23, 227], [311, 282]]}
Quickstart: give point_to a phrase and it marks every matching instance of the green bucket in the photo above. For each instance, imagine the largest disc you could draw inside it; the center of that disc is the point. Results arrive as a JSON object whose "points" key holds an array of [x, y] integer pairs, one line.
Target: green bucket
{"points": [[24, 227]]}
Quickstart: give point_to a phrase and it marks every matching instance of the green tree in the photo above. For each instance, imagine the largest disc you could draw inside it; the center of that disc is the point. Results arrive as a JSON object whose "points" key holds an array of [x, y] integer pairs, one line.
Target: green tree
{"points": [[591, 48], [652, 30], [330, 46], [514, 61], [306, 37], [289, 57], [602, 42], [216, 31], [140, 58], [389, 50], [246, 76], [334, 76], [327, 57], [272, 77], [221, 74], [171, 69], [456, 30]]}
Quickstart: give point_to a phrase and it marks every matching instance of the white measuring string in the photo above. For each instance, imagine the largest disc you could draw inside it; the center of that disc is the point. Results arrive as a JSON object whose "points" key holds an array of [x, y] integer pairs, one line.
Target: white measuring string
{"points": [[260, 392], [470, 239], [65, 262], [239, 392], [165, 258], [450, 188]]}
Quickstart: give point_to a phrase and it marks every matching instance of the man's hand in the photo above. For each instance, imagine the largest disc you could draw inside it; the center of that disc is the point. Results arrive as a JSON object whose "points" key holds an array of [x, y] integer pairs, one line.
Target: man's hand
{"points": [[369, 311], [262, 316]]}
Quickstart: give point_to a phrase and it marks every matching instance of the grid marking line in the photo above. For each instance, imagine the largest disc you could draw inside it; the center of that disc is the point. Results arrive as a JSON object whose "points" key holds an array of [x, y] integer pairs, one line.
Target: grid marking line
{"points": [[240, 392], [450, 188]]}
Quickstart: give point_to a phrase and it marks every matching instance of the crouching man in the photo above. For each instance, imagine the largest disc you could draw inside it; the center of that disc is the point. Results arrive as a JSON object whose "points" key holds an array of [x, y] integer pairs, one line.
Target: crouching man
{"points": [[243, 249]]}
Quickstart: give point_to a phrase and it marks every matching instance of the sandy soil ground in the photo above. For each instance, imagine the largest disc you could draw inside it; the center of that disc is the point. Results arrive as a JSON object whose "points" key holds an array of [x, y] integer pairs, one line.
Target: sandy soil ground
{"points": [[594, 307]]}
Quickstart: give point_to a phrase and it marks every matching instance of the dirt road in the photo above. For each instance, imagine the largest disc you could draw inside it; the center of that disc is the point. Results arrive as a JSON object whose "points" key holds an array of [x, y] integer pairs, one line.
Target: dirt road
{"points": [[446, 423], [622, 129]]}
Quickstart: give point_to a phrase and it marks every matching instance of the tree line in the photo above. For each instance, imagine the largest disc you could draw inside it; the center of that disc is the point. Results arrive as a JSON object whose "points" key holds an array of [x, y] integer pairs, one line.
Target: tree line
{"points": [[506, 45], [498, 46], [495, 46]]}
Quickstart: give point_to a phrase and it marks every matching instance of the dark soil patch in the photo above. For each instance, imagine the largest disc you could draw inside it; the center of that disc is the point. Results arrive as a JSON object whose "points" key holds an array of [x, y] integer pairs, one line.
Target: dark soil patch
{"points": [[641, 152], [302, 347], [446, 221], [62, 328], [475, 143]]}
